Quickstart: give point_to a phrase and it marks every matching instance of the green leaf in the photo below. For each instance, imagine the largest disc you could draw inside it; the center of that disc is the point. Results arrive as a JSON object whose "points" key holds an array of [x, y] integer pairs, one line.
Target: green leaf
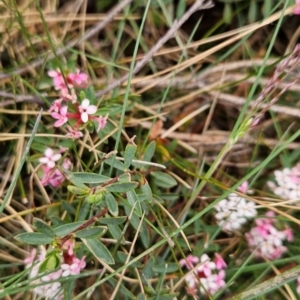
{"points": [[141, 296], [113, 221], [163, 180], [34, 238], [84, 211], [99, 250], [145, 236], [77, 182], [150, 150], [166, 268], [43, 227], [126, 177], [112, 161], [116, 233], [146, 189], [148, 269], [69, 208], [90, 178], [91, 233], [130, 152], [227, 13], [55, 221], [112, 204], [51, 263], [123, 292], [123, 257], [133, 200], [95, 198], [78, 190], [63, 230], [164, 297], [121, 187], [253, 11], [135, 222]]}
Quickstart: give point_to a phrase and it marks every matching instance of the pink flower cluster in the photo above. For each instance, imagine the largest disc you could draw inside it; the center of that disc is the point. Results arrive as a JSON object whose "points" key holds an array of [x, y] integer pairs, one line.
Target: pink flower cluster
{"points": [[205, 276], [52, 175], [67, 109], [47, 286], [265, 240]]}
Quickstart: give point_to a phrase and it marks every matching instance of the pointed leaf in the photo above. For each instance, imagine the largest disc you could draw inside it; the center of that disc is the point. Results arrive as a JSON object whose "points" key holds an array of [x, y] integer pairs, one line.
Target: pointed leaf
{"points": [[133, 200], [146, 189], [130, 152], [90, 178], [126, 177], [163, 179], [123, 257], [84, 211], [165, 268], [99, 250], [34, 238], [150, 150], [166, 296], [116, 233], [43, 227], [77, 182], [112, 204], [113, 221], [145, 236], [148, 269], [112, 161], [69, 208], [91, 233], [121, 187], [63, 230]]}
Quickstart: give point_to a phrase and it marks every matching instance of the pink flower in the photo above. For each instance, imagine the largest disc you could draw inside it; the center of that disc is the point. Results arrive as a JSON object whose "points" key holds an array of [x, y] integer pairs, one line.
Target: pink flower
{"points": [[289, 234], [58, 80], [78, 79], [189, 262], [86, 109], [74, 134], [30, 259], [297, 8], [74, 268], [52, 176], [68, 247], [206, 266], [298, 285], [219, 261], [55, 106], [50, 158], [61, 117], [243, 187], [101, 122]]}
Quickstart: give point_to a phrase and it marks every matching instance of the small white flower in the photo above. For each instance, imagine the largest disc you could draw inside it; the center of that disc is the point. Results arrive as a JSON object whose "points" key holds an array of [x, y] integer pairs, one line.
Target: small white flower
{"points": [[247, 209], [86, 109], [50, 158]]}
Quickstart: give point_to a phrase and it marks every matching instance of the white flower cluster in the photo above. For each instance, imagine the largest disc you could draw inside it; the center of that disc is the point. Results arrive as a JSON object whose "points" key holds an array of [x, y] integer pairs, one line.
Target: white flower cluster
{"points": [[287, 184], [233, 212]]}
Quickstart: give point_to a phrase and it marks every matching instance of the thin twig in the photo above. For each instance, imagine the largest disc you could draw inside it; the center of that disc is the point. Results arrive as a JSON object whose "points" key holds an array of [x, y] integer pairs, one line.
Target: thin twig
{"points": [[75, 42], [169, 34]]}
